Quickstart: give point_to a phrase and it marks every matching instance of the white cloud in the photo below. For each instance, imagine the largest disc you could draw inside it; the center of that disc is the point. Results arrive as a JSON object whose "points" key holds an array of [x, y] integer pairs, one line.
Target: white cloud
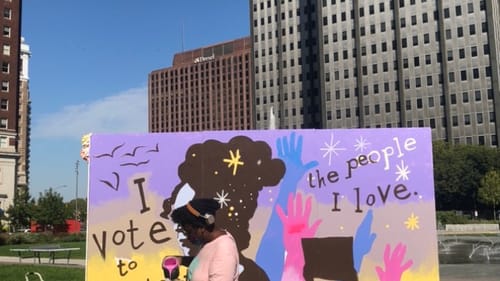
{"points": [[125, 112]]}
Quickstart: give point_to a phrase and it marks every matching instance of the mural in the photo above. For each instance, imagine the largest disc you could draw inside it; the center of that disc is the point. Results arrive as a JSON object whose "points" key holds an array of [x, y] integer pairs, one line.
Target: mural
{"points": [[338, 204]]}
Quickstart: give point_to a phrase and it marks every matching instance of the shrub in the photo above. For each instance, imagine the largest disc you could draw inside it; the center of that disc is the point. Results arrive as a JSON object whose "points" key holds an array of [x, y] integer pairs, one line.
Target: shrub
{"points": [[3, 238], [450, 217], [73, 237]]}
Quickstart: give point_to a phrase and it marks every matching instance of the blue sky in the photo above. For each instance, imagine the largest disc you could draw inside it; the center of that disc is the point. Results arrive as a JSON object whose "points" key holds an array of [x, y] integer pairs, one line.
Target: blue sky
{"points": [[89, 69]]}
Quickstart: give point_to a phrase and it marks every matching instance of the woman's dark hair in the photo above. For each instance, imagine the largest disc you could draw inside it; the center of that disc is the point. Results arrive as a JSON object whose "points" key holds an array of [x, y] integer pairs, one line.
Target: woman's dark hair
{"points": [[183, 216]]}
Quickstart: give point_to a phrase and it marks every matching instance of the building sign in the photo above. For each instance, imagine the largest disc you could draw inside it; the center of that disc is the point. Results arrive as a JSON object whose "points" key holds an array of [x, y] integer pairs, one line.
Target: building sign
{"points": [[342, 204], [204, 59]]}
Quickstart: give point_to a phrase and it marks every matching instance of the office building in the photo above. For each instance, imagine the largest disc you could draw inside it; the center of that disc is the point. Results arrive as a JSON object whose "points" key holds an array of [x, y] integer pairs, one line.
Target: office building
{"points": [[379, 63], [24, 123], [9, 101], [204, 89]]}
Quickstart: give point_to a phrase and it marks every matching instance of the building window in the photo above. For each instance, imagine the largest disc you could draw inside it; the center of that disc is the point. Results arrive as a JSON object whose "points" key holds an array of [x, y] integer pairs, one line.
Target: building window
{"points": [[461, 53], [4, 104], [465, 97], [431, 102], [3, 123], [470, 8], [7, 13], [6, 31], [4, 142], [467, 119], [426, 38], [448, 33], [481, 140], [473, 51], [433, 123], [479, 118], [472, 29], [5, 86], [446, 13], [6, 49], [475, 73], [451, 77], [419, 103], [453, 98], [463, 75], [477, 95], [5, 67], [484, 27]]}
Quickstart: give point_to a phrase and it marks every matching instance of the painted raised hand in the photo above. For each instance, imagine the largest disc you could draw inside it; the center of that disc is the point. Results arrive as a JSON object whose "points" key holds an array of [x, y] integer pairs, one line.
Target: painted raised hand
{"points": [[270, 255], [290, 151], [363, 241], [394, 267], [295, 227]]}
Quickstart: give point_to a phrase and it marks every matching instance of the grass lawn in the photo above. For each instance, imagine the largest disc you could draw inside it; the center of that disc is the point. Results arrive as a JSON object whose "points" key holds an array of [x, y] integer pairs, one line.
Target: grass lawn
{"points": [[14, 272], [5, 250]]}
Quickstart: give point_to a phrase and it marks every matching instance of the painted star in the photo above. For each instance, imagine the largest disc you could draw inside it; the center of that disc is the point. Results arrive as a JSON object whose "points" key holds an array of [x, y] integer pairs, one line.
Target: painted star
{"points": [[330, 149], [234, 161], [222, 198], [402, 171], [361, 144], [412, 222]]}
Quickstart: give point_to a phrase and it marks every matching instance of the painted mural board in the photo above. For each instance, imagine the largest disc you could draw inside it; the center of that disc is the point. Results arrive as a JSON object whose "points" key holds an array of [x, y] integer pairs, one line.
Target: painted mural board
{"points": [[343, 204]]}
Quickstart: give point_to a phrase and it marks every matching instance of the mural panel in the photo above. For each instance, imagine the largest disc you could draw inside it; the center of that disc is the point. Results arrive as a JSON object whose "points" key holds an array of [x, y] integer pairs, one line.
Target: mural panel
{"points": [[337, 204]]}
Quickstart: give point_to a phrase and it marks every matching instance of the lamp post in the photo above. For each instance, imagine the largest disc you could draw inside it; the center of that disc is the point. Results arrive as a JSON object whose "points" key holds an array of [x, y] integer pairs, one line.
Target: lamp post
{"points": [[76, 189], [58, 187]]}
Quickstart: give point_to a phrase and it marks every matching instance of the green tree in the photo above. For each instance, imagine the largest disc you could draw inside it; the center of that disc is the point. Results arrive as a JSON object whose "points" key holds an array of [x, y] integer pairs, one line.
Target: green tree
{"points": [[50, 209], [21, 211], [458, 170], [81, 208], [489, 192]]}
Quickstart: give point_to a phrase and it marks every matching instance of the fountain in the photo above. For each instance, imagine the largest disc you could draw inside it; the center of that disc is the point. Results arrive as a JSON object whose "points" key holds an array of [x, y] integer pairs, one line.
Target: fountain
{"points": [[473, 249]]}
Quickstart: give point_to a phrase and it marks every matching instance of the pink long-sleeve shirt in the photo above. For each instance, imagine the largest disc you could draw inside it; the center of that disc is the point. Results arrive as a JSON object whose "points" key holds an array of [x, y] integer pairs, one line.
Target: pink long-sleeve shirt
{"points": [[218, 260]]}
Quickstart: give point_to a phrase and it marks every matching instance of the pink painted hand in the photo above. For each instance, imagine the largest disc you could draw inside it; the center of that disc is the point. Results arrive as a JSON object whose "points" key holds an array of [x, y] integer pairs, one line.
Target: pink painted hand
{"points": [[295, 227], [394, 268]]}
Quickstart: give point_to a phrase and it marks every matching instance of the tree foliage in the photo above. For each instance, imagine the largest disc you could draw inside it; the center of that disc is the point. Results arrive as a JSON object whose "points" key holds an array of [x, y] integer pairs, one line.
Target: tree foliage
{"points": [[50, 209], [458, 170], [21, 211], [489, 192], [81, 208]]}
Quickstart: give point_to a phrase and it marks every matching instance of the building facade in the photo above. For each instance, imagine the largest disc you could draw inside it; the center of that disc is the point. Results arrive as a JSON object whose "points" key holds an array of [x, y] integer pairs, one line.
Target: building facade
{"points": [[10, 41], [379, 63], [24, 123], [205, 89]]}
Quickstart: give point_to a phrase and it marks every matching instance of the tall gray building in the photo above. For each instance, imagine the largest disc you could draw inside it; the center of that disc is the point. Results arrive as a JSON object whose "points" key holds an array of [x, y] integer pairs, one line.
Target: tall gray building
{"points": [[379, 63]]}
